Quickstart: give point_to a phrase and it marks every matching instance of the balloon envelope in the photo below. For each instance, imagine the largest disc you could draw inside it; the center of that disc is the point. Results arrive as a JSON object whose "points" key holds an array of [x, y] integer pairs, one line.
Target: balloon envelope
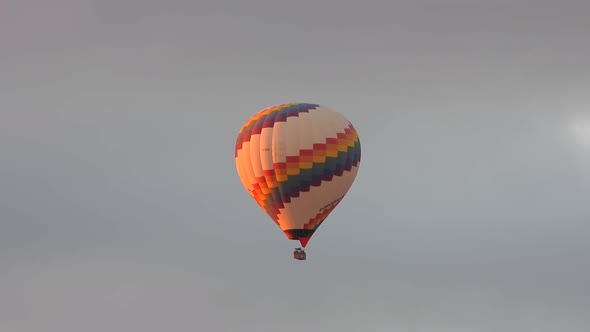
{"points": [[297, 161]]}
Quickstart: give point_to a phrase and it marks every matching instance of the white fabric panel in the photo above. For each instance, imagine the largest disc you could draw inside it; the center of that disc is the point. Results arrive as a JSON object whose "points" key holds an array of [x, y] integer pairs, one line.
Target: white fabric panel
{"points": [[290, 137], [279, 149], [266, 148]]}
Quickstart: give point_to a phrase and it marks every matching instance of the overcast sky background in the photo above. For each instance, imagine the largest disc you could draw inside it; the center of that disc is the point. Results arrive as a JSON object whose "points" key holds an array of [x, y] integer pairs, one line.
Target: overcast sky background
{"points": [[121, 210]]}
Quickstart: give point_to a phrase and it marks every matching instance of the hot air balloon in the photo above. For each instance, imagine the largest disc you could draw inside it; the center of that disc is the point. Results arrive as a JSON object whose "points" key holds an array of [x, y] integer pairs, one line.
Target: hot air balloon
{"points": [[297, 161]]}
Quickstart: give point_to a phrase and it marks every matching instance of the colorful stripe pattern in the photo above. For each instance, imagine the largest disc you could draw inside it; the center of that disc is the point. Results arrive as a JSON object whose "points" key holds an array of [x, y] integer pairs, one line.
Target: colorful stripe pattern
{"points": [[267, 119], [330, 154]]}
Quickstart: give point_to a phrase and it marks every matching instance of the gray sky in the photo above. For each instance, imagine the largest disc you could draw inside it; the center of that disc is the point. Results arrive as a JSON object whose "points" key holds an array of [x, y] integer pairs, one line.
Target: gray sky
{"points": [[121, 210]]}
